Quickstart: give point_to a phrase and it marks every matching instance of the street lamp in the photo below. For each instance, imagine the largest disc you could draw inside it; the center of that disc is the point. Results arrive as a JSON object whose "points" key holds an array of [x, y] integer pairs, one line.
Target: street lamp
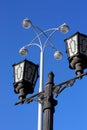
{"points": [[46, 98], [57, 55], [77, 52], [77, 56], [25, 77]]}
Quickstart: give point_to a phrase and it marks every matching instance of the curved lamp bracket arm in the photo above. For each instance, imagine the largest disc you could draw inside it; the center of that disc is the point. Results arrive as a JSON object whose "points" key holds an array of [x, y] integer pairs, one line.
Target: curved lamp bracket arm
{"points": [[37, 34], [57, 89], [42, 32], [48, 39], [32, 44], [36, 97]]}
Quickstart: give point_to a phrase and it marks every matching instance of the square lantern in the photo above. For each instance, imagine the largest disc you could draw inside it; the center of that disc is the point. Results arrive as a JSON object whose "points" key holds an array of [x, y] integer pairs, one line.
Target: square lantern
{"points": [[76, 45], [76, 48], [25, 76]]}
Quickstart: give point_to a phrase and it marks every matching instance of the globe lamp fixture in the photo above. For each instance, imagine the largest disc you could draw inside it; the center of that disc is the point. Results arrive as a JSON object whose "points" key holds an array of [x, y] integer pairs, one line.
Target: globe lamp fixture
{"points": [[64, 28], [57, 55], [26, 23], [23, 51]]}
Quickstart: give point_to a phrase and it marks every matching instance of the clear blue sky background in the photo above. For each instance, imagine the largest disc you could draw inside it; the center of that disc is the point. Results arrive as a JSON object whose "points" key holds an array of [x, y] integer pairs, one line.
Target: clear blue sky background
{"points": [[71, 111]]}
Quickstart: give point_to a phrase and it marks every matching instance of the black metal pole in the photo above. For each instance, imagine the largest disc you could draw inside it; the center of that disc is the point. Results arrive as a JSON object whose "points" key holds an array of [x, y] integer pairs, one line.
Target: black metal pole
{"points": [[49, 103]]}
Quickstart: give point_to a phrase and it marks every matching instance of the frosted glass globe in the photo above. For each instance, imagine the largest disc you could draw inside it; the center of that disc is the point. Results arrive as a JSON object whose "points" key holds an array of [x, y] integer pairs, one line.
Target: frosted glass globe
{"points": [[64, 28], [57, 55], [26, 23], [23, 51]]}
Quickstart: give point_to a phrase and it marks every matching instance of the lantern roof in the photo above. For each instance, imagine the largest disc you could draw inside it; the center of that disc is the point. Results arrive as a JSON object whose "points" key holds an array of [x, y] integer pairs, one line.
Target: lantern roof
{"points": [[25, 60], [77, 33]]}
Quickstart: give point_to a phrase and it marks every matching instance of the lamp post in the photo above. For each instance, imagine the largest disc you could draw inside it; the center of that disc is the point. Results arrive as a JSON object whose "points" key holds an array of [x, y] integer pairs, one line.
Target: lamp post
{"points": [[46, 98], [58, 55], [77, 56]]}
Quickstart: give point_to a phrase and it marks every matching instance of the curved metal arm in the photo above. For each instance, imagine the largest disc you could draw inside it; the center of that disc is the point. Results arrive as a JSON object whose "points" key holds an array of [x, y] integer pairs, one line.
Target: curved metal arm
{"points": [[30, 99], [48, 37], [43, 32], [38, 36], [33, 44], [57, 89], [45, 44]]}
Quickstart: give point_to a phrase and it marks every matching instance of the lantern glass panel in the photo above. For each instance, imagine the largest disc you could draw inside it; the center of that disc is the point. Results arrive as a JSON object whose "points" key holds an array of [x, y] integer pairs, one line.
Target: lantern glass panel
{"points": [[72, 45], [83, 44], [29, 72], [35, 77], [18, 71]]}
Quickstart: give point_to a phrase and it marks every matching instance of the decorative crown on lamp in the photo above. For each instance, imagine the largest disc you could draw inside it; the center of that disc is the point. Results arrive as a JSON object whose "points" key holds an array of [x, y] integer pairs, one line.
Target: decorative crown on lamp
{"points": [[25, 77], [76, 48]]}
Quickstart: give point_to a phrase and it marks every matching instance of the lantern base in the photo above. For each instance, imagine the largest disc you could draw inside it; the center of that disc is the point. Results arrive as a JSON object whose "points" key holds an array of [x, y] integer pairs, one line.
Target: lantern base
{"points": [[79, 63], [23, 89]]}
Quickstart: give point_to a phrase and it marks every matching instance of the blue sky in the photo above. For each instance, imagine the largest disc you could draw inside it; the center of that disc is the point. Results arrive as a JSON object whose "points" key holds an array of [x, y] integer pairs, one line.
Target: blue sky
{"points": [[71, 111]]}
